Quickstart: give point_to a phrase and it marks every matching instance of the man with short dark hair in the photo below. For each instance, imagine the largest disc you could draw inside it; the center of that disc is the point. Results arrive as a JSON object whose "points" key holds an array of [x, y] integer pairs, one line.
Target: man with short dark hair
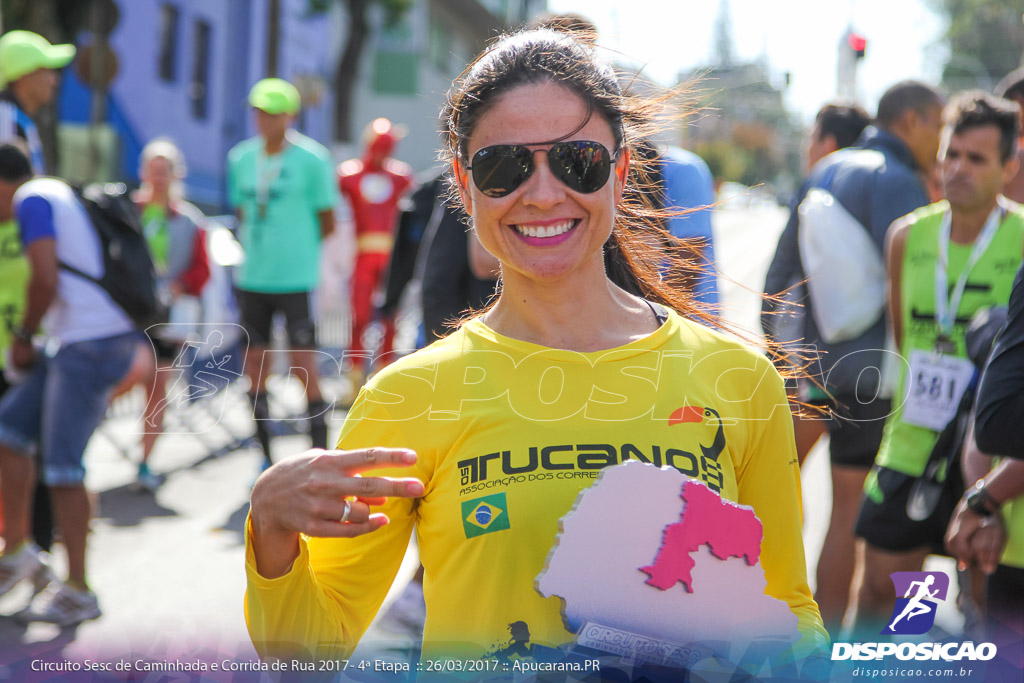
{"points": [[876, 182], [837, 126], [64, 395], [945, 262]]}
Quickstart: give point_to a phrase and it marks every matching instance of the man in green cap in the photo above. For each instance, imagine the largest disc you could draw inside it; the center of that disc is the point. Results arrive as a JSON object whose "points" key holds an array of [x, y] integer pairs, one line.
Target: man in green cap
{"points": [[28, 65], [28, 76], [281, 184]]}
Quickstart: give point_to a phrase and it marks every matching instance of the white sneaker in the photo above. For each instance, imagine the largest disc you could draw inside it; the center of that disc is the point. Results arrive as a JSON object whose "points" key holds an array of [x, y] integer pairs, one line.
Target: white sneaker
{"points": [[61, 604], [29, 562]]}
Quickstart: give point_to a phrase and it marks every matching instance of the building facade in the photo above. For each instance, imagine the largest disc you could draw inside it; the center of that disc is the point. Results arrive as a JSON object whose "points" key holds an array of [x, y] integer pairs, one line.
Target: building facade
{"points": [[185, 68]]}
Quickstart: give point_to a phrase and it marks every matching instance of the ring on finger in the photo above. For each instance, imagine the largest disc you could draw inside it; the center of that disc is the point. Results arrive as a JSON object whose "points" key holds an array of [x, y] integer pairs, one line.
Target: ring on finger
{"points": [[346, 513]]}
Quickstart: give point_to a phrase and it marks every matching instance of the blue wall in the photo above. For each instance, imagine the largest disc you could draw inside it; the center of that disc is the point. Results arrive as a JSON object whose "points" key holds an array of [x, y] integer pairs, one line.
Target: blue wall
{"points": [[141, 106]]}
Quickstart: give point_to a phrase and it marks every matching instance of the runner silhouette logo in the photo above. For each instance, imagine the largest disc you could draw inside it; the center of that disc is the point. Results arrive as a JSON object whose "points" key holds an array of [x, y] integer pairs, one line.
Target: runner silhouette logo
{"points": [[917, 597]]}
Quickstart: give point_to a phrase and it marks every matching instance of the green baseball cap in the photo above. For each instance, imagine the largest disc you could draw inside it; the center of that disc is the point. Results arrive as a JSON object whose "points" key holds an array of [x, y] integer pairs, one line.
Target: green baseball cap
{"points": [[275, 96], [22, 52]]}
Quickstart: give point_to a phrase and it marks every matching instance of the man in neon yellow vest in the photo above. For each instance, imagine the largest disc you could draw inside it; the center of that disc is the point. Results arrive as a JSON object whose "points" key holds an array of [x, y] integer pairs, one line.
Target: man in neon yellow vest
{"points": [[28, 74], [945, 262], [14, 274]]}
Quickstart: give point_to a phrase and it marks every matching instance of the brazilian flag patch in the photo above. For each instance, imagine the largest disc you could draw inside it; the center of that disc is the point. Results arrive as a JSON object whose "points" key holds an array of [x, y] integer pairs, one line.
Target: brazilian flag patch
{"points": [[485, 515]]}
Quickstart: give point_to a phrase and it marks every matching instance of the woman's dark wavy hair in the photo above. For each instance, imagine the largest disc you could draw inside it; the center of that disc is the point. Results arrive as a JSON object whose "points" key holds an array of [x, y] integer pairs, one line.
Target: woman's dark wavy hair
{"points": [[640, 256]]}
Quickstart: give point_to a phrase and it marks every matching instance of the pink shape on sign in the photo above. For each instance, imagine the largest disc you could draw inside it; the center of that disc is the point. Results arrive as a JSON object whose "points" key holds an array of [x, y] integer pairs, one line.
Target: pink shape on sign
{"points": [[728, 529]]}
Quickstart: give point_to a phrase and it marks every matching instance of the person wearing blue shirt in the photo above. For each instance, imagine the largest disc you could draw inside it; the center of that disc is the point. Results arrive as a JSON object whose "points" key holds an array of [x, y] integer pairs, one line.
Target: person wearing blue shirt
{"points": [[688, 185], [28, 76], [63, 394]]}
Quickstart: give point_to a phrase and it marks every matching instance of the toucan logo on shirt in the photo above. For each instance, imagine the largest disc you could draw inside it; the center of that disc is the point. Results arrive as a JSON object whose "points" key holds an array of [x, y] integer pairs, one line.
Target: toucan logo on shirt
{"points": [[485, 515], [583, 461]]}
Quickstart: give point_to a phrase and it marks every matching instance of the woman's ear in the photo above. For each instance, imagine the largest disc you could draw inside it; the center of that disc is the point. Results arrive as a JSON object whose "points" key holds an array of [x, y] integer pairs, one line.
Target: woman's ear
{"points": [[621, 173], [462, 181]]}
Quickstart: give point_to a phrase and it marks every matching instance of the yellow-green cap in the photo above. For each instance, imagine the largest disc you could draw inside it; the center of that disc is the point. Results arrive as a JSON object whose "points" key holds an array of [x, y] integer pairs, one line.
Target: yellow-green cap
{"points": [[22, 52], [275, 96]]}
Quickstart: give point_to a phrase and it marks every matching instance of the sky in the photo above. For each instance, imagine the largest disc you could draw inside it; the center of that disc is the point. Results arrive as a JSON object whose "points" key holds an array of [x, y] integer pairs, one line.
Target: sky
{"points": [[798, 36]]}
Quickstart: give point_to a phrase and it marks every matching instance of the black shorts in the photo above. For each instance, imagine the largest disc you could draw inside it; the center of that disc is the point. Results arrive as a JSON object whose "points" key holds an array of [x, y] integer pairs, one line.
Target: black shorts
{"points": [[883, 520], [166, 351], [257, 311], [855, 429]]}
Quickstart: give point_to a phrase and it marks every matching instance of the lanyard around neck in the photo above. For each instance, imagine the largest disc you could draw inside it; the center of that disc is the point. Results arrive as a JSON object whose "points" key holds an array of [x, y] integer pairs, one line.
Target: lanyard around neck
{"points": [[268, 170], [947, 303]]}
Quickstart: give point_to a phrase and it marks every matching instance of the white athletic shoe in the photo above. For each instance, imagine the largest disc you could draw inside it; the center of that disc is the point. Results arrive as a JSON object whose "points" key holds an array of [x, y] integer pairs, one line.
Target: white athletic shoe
{"points": [[61, 604], [29, 562]]}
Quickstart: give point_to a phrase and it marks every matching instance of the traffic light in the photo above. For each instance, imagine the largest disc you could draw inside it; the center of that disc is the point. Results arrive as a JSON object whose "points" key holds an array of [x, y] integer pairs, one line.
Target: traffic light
{"points": [[858, 44]]}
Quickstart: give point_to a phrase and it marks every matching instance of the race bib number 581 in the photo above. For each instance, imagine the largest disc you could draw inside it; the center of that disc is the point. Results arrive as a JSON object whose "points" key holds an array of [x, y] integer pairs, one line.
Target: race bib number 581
{"points": [[934, 387]]}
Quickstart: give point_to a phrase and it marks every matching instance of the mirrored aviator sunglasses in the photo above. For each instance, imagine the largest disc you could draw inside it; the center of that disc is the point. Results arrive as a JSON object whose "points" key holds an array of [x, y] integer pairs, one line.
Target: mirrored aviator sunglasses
{"points": [[583, 165]]}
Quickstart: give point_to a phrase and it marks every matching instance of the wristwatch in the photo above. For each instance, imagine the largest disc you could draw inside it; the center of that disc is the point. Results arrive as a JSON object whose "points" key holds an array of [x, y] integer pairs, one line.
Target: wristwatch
{"points": [[978, 500], [24, 334]]}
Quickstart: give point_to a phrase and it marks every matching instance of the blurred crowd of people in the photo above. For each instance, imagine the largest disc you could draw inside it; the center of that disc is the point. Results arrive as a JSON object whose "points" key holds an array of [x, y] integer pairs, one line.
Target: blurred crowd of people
{"points": [[884, 327], [891, 333]]}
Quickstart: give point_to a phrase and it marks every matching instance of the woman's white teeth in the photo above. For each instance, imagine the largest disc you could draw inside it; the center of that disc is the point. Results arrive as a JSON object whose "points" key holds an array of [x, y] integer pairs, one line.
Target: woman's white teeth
{"points": [[545, 231]]}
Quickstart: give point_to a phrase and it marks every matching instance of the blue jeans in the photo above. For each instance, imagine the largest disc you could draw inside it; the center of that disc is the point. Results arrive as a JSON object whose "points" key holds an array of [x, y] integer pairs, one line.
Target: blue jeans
{"points": [[62, 401]]}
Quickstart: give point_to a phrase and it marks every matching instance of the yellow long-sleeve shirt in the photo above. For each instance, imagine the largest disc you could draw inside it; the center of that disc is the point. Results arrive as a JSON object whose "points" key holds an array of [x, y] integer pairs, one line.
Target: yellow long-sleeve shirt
{"points": [[508, 433]]}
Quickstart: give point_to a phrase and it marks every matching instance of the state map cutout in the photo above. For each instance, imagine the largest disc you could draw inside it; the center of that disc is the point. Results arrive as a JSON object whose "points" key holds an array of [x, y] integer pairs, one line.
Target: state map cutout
{"points": [[638, 532], [728, 529]]}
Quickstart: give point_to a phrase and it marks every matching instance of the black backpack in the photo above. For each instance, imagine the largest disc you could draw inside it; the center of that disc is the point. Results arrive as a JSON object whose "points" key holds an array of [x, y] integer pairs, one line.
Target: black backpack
{"points": [[129, 276]]}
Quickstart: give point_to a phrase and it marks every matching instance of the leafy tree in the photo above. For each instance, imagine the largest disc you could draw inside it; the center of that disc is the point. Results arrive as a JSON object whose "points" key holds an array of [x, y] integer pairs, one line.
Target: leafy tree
{"points": [[347, 71], [724, 160], [985, 38], [751, 137]]}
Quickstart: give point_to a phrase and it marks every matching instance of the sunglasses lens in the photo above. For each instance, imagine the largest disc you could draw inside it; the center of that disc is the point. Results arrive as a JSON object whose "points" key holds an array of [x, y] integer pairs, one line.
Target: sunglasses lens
{"points": [[499, 170], [582, 165]]}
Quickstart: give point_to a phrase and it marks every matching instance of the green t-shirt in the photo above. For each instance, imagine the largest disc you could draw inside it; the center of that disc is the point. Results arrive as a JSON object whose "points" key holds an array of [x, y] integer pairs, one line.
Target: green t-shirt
{"points": [[154, 223], [906, 447], [279, 198], [14, 275]]}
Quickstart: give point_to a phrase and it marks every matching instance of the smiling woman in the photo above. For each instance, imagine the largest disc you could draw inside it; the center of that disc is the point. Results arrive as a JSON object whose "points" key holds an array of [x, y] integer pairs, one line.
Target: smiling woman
{"points": [[587, 359], [545, 231]]}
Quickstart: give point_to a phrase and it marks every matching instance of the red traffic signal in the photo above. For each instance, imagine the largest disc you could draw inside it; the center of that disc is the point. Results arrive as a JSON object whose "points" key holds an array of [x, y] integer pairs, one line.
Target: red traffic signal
{"points": [[858, 44]]}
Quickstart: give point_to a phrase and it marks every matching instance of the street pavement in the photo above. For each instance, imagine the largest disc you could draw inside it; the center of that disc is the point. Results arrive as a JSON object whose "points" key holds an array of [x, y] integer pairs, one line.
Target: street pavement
{"points": [[168, 567]]}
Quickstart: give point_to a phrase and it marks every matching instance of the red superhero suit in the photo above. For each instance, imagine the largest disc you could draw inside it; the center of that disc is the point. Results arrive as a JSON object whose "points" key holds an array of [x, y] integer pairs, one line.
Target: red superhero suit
{"points": [[373, 185]]}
